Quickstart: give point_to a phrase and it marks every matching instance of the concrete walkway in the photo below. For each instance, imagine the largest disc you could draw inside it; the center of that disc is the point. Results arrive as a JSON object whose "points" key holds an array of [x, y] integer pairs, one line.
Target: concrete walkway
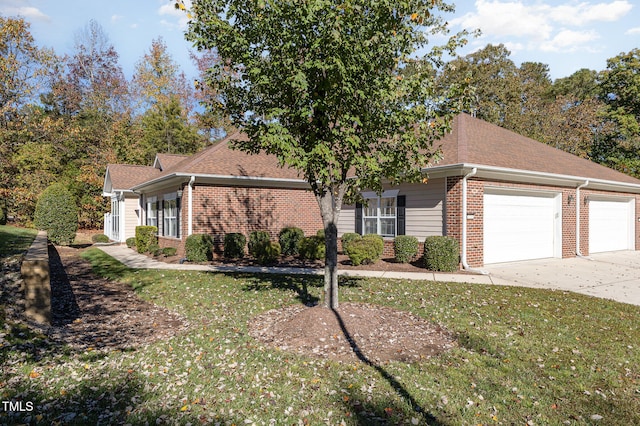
{"points": [[613, 276], [134, 260]]}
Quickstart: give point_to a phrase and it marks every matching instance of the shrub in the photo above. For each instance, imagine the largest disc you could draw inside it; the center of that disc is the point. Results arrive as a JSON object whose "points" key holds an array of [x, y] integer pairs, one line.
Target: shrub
{"points": [[365, 250], [405, 248], [289, 239], [312, 248], [348, 237], [146, 236], [155, 249], [131, 242], [169, 251], [320, 233], [377, 242], [57, 213], [267, 252], [99, 238], [441, 254], [3, 216], [234, 245], [198, 248], [256, 238]]}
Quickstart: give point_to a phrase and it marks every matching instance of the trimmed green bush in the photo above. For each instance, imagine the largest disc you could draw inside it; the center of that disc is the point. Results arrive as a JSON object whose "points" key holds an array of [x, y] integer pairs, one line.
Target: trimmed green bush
{"points": [[169, 251], [289, 238], [365, 250], [347, 237], [199, 248], [57, 213], [312, 248], [441, 254], [377, 242], [155, 249], [267, 252], [405, 248], [99, 238], [320, 233], [131, 242], [146, 236], [256, 238], [234, 245]]}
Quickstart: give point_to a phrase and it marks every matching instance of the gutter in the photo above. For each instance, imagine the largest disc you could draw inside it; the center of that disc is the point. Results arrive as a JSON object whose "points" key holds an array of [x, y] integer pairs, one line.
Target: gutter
{"points": [[529, 176], [190, 212], [228, 180], [578, 205], [463, 257]]}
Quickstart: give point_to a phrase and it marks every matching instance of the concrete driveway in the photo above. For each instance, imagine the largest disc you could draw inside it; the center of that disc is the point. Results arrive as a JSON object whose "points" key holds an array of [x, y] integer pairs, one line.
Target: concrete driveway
{"points": [[614, 275]]}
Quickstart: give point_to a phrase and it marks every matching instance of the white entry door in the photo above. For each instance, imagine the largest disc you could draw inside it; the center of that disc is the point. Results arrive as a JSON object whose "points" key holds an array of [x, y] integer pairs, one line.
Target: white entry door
{"points": [[521, 226], [611, 225]]}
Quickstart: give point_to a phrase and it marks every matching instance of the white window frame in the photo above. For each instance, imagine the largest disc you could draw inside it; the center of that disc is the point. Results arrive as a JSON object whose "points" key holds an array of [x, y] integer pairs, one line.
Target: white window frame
{"points": [[169, 217], [373, 201], [152, 212]]}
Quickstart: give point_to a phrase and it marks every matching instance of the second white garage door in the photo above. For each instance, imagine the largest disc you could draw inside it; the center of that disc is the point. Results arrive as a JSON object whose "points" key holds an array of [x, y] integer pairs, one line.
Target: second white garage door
{"points": [[521, 226], [610, 225]]}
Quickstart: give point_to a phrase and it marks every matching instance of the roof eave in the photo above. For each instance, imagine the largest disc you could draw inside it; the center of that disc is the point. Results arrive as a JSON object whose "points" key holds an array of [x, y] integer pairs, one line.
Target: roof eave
{"points": [[529, 176], [226, 180]]}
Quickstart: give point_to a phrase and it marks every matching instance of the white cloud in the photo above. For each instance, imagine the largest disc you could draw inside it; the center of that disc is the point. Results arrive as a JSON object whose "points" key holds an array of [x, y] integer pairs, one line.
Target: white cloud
{"points": [[580, 14], [22, 8], [536, 22], [633, 31], [116, 18], [571, 41]]}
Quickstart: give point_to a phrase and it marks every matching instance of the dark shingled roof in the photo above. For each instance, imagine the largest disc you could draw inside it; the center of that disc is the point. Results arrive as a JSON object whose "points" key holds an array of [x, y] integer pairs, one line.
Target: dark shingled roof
{"points": [[221, 160], [477, 142], [124, 176], [471, 142]]}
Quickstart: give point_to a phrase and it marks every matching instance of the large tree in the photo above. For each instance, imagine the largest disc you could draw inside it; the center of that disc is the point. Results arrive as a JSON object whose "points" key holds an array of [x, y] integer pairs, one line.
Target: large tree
{"points": [[620, 90], [319, 84]]}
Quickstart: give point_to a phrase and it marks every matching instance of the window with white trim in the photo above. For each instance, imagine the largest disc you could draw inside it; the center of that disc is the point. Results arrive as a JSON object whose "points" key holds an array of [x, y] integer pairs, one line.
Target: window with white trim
{"points": [[152, 211], [170, 216], [379, 215]]}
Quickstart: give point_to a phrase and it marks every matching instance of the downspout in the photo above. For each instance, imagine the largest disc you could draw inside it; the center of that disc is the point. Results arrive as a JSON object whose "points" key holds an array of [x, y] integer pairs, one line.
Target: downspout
{"points": [[190, 212], [578, 205], [463, 257]]}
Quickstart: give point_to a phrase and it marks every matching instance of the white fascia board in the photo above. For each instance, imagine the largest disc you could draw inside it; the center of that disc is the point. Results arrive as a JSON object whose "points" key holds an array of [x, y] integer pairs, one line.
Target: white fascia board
{"points": [[528, 176], [225, 180]]}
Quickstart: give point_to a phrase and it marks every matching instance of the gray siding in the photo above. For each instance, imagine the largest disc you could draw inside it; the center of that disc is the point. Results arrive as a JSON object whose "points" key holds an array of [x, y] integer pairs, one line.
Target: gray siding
{"points": [[425, 210]]}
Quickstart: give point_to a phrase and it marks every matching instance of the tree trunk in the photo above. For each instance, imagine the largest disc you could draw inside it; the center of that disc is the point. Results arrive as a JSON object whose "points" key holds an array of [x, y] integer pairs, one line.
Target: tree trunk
{"points": [[330, 211]]}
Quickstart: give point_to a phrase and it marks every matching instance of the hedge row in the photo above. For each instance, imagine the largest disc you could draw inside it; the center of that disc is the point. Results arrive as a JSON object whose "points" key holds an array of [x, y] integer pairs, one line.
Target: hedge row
{"points": [[440, 253]]}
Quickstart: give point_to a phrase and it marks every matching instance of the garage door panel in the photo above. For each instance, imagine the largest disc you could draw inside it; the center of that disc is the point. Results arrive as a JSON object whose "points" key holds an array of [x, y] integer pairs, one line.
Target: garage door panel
{"points": [[518, 227], [610, 225]]}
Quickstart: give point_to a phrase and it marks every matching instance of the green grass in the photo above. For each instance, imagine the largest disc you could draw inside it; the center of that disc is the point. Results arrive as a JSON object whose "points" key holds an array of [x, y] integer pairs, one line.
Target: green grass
{"points": [[548, 357], [15, 240]]}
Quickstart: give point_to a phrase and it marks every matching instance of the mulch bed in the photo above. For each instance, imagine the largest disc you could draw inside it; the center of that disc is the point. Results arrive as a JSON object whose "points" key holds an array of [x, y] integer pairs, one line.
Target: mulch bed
{"points": [[93, 312]]}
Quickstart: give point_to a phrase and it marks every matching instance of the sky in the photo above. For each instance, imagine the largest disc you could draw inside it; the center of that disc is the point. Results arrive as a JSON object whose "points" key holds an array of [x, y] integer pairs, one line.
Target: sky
{"points": [[567, 35]]}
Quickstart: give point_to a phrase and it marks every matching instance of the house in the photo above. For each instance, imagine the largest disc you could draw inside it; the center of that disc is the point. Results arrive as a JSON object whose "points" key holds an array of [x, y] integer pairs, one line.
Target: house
{"points": [[503, 196]]}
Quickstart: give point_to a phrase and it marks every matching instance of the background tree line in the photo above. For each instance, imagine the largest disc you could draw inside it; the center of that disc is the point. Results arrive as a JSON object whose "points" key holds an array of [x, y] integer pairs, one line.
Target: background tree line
{"points": [[64, 118]]}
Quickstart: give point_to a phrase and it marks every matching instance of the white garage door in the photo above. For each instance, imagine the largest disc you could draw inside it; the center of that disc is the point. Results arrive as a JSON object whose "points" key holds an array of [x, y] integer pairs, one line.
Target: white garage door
{"points": [[521, 227], [610, 225]]}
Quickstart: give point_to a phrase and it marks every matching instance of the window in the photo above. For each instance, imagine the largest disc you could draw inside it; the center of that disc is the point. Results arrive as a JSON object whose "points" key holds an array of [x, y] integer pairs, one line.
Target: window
{"points": [[170, 215], [115, 219], [152, 212], [379, 216]]}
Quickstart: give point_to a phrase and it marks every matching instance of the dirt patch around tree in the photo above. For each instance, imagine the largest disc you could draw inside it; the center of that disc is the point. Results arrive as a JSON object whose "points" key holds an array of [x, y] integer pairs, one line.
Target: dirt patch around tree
{"points": [[369, 333]]}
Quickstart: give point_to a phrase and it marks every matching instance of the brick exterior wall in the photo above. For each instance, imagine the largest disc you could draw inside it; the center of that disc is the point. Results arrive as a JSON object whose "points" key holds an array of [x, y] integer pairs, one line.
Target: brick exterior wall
{"points": [[218, 210], [475, 196]]}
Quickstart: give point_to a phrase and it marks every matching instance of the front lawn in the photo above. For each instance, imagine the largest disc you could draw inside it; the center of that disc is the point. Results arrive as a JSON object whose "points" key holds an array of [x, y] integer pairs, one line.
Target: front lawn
{"points": [[523, 355]]}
